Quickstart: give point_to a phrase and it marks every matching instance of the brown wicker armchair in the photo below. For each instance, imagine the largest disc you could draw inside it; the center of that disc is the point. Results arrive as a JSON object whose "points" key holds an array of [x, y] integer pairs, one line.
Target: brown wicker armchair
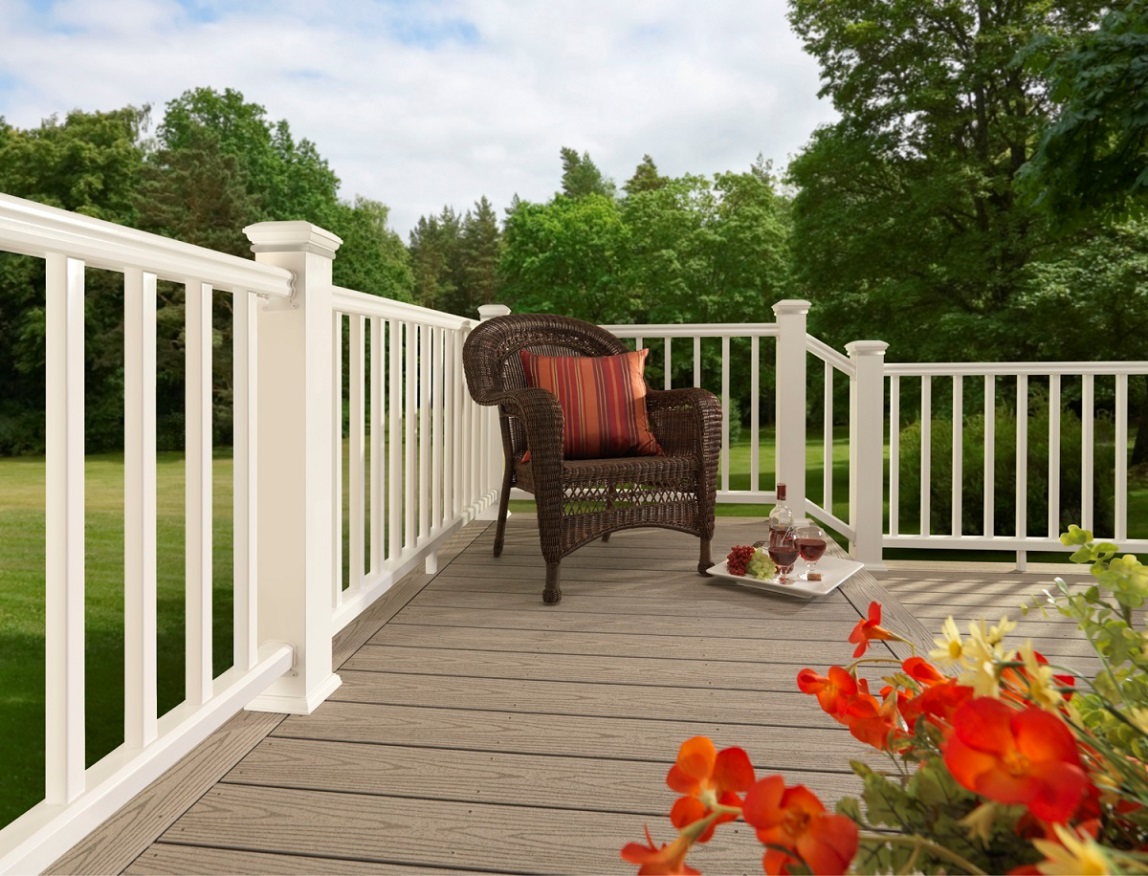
{"points": [[579, 500]]}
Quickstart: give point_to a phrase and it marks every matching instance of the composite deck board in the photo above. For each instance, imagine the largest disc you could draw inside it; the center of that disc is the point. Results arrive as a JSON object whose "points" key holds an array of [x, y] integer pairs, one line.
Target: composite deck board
{"points": [[506, 839], [477, 730], [537, 642], [631, 786], [774, 746]]}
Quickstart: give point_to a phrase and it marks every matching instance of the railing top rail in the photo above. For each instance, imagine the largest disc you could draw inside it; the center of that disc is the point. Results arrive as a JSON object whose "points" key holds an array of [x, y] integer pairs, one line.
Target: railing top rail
{"points": [[38, 230], [362, 304], [1009, 369], [690, 330], [827, 354]]}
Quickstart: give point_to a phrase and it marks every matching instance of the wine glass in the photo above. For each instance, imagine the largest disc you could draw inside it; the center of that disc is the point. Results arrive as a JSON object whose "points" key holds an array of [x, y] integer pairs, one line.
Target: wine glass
{"points": [[783, 551], [811, 543]]}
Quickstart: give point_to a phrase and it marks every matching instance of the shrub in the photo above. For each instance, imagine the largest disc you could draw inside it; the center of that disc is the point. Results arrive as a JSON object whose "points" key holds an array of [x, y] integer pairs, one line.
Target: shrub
{"points": [[1004, 472]]}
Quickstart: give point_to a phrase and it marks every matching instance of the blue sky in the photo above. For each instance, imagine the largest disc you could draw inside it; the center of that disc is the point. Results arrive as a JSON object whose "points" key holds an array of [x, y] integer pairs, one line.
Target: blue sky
{"points": [[424, 103]]}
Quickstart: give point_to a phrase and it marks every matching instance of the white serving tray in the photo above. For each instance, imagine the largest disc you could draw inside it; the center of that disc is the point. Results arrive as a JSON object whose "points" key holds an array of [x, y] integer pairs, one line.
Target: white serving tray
{"points": [[834, 571]]}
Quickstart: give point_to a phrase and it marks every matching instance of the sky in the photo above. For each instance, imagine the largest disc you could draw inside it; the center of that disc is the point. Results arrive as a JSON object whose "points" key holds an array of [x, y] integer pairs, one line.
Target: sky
{"points": [[423, 104]]}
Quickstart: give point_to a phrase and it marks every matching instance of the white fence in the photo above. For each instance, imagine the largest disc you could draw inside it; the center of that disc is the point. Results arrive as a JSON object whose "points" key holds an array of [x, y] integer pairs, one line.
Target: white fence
{"points": [[287, 532], [411, 459]]}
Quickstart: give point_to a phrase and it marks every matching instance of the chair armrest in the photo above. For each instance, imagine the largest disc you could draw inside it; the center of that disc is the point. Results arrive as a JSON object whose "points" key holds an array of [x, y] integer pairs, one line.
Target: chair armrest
{"points": [[540, 413], [686, 421]]}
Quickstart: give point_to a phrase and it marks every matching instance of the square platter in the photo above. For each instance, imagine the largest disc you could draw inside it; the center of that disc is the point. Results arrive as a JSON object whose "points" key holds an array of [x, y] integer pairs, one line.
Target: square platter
{"points": [[834, 572]]}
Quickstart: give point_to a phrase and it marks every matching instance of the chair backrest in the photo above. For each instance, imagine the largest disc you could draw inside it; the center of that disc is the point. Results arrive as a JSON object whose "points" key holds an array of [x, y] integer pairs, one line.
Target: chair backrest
{"points": [[490, 354]]}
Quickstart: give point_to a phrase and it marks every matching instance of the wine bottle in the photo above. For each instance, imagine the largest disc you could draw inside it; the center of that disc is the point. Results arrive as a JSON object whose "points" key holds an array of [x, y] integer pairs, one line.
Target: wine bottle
{"points": [[780, 518]]}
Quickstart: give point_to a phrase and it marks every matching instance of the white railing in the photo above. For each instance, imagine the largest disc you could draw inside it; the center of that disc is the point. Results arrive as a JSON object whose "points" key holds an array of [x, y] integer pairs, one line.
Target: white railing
{"points": [[289, 599], [1032, 385], [874, 520], [419, 450]]}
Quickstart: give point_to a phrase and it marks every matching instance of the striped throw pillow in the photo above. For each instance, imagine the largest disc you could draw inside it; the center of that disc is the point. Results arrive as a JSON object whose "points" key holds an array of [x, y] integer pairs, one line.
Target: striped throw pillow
{"points": [[603, 400]]}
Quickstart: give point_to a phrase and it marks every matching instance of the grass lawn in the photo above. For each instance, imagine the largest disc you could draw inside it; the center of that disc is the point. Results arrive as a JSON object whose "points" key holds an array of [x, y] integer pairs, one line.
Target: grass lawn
{"points": [[22, 608]]}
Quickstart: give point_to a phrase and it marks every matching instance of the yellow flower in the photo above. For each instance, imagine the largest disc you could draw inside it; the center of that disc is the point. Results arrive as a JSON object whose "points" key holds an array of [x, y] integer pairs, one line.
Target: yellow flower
{"points": [[1042, 686], [997, 633], [949, 648], [1074, 854], [1139, 716], [979, 822]]}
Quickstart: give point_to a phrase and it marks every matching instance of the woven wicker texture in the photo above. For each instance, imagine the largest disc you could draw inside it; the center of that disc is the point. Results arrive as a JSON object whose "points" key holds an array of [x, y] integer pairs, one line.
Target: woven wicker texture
{"points": [[581, 500]]}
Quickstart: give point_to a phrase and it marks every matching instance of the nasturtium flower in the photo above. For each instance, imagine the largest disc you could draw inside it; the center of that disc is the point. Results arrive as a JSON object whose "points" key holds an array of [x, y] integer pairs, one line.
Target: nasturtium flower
{"points": [[832, 690], [869, 629], [1009, 755], [939, 702], [794, 823], [922, 671], [708, 778], [658, 860]]}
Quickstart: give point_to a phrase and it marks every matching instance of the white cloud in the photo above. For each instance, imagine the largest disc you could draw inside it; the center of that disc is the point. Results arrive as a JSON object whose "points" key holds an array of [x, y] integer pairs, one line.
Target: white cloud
{"points": [[421, 104]]}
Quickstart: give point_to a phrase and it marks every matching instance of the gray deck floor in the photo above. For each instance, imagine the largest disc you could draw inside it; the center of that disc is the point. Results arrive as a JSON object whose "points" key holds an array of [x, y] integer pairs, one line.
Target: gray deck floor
{"points": [[480, 731]]}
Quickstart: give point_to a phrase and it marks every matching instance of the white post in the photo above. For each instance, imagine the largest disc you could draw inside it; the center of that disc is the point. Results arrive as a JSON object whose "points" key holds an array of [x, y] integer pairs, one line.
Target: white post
{"points": [[867, 451], [789, 451], [295, 447], [492, 445]]}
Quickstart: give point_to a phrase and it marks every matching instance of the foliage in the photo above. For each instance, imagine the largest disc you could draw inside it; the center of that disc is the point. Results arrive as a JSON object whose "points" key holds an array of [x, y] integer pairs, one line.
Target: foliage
{"points": [[581, 176], [1002, 766], [1094, 156], [907, 212], [1004, 471], [455, 259]]}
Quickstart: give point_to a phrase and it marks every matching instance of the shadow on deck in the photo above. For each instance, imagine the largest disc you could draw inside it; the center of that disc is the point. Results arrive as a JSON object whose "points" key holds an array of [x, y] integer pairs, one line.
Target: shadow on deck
{"points": [[477, 730]]}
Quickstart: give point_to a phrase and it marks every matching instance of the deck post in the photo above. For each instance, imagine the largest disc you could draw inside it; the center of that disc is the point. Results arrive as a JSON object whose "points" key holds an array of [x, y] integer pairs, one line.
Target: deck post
{"points": [[295, 493], [790, 395], [867, 451], [491, 440]]}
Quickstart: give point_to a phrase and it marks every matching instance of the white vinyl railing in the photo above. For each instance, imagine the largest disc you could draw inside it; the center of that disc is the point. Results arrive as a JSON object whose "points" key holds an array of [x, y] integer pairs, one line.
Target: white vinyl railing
{"points": [[1011, 393], [419, 450], [426, 473]]}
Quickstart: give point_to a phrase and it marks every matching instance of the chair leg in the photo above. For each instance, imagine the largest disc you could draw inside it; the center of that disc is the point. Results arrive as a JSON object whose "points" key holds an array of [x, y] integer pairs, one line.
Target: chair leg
{"points": [[704, 561], [503, 505], [552, 595]]}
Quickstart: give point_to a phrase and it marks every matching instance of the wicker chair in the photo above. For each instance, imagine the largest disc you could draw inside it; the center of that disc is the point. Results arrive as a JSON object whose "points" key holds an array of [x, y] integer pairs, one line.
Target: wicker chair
{"points": [[580, 500]]}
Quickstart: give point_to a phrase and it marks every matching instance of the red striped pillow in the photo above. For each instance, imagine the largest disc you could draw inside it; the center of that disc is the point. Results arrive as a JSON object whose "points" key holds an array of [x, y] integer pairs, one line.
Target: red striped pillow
{"points": [[603, 400]]}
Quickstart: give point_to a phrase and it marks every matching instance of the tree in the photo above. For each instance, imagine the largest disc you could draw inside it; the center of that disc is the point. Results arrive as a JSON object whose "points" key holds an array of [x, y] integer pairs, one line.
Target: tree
{"points": [[480, 246], [1095, 154], [288, 179], [568, 256], [646, 178], [581, 177], [434, 247], [907, 213], [90, 163], [372, 258]]}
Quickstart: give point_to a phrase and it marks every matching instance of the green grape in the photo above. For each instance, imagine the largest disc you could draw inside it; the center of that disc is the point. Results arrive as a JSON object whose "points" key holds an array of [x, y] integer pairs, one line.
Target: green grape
{"points": [[760, 565]]}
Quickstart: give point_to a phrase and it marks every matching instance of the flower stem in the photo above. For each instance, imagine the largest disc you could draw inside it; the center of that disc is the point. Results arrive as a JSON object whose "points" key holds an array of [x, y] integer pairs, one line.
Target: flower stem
{"points": [[919, 844]]}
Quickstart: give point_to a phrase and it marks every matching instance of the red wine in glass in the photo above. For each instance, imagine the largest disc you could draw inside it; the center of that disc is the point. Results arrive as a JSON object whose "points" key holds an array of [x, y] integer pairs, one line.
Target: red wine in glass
{"points": [[811, 545], [784, 553], [811, 549]]}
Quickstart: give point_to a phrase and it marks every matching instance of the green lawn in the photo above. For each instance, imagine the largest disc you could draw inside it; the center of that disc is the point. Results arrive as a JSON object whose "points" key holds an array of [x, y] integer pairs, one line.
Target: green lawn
{"points": [[22, 608]]}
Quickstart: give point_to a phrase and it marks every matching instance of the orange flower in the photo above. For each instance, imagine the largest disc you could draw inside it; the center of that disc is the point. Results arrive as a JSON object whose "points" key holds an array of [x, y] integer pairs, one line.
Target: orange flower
{"points": [[667, 859], [832, 691], [797, 828], [872, 721], [1011, 755], [869, 629], [707, 777], [939, 702], [923, 672]]}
